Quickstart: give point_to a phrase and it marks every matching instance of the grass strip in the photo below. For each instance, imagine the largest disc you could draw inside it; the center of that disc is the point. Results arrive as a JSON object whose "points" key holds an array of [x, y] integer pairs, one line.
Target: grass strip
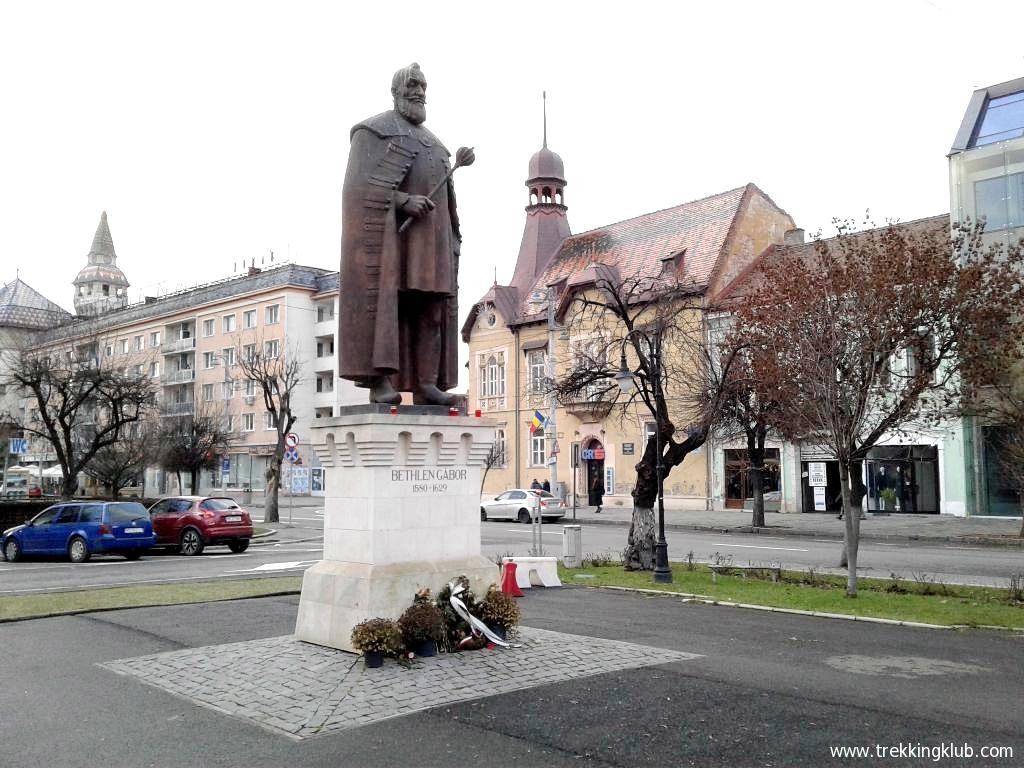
{"points": [[951, 605], [19, 607]]}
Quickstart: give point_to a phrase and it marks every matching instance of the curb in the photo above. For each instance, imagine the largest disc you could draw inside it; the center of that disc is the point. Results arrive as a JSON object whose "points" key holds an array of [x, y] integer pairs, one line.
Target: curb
{"points": [[705, 600], [984, 541]]}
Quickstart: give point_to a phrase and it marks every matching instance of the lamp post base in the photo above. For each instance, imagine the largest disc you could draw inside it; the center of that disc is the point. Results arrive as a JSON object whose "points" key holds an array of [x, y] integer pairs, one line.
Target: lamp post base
{"points": [[662, 572]]}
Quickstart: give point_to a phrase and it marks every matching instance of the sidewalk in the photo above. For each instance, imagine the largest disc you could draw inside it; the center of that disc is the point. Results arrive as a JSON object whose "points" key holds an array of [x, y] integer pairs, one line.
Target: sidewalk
{"points": [[974, 530]]}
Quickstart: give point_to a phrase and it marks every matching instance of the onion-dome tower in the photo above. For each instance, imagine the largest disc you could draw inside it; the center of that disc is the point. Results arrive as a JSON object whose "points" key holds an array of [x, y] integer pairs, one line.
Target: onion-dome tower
{"points": [[101, 285], [547, 224]]}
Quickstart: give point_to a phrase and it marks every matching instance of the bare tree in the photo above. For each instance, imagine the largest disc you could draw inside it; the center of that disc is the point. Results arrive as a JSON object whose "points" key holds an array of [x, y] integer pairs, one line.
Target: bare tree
{"points": [[276, 375], [871, 333], [115, 466], [495, 458], [75, 403], [653, 325], [193, 443]]}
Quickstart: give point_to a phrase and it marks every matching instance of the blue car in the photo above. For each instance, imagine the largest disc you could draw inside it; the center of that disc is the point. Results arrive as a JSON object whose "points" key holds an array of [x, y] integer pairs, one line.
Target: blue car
{"points": [[81, 529]]}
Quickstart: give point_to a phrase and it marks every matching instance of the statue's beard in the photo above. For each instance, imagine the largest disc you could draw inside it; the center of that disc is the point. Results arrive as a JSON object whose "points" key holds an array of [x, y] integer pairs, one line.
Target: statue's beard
{"points": [[413, 111]]}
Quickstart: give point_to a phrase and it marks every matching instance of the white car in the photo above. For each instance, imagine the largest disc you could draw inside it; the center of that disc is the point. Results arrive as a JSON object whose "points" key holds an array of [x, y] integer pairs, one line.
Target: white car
{"points": [[522, 505]]}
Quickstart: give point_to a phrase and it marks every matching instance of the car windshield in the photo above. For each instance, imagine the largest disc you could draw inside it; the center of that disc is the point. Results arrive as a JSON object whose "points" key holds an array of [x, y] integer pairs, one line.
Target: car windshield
{"points": [[127, 511], [219, 505]]}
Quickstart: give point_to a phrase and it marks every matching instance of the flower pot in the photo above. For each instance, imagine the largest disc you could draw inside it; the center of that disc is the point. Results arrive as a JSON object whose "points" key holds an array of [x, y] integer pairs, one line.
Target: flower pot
{"points": [[373, 659], [496, 629], [427, 648]]}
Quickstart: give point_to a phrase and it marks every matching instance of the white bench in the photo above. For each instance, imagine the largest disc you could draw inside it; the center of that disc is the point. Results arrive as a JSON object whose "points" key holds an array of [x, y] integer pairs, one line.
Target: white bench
{"points": [[535, 571]]}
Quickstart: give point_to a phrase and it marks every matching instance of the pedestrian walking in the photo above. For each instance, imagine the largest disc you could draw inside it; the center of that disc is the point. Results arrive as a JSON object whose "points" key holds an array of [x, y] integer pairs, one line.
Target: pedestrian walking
{"points": [[597, 494]]}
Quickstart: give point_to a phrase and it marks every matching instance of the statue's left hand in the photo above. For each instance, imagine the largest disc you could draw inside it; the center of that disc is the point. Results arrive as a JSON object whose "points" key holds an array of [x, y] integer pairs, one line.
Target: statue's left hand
{"points": [[417, 205]]}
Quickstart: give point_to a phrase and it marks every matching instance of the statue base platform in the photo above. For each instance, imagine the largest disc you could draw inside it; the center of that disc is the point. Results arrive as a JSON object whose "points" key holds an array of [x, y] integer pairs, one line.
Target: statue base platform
{"points": [[402, 513]]}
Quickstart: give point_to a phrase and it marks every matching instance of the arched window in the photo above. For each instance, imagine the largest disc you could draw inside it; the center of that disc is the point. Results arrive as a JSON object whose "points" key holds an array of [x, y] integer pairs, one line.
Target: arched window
{"points": [[533, 197]]}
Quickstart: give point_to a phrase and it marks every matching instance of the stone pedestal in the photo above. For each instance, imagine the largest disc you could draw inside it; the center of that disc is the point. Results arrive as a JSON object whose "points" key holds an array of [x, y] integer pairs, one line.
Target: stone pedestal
{"points": [[402, 513]]}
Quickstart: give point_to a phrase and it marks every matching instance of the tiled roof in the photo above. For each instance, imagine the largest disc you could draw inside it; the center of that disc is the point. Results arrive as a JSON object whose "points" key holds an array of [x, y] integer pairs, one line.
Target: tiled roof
{"points": [[23, 307], [751, 277], [638, 246]]}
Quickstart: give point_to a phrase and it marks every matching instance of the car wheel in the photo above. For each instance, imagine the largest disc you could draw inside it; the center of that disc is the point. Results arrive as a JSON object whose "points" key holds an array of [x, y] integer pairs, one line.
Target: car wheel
{"points": [[12, 550], [483, 515], [524, 516], [134, 555], [191, 542], [238, 545], [78, 550]]}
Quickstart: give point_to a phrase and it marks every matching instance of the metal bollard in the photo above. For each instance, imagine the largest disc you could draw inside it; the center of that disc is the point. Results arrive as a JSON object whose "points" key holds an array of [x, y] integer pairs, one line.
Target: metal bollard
{"points": [[572, 546]]}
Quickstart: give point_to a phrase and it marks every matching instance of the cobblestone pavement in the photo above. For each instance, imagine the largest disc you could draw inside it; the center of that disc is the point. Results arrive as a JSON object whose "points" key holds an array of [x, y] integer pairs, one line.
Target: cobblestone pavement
{"points": [[303, 690]]}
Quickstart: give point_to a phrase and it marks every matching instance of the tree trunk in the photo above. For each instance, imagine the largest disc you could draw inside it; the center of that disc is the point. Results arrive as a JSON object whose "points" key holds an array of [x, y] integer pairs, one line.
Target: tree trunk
{"points": [[755, 455], [68, 488], [1021, 534], [270, 501], [194, 480], [639, 552], [851, 531]]}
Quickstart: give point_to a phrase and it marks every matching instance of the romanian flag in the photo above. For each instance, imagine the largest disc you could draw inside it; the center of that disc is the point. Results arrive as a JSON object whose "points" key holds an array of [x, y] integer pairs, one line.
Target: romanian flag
{"points": [[538, 421]]}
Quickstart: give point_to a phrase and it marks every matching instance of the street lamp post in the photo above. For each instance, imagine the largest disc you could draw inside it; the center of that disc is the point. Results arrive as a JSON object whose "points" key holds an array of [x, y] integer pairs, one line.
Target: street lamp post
{"points": [[625, 379]]}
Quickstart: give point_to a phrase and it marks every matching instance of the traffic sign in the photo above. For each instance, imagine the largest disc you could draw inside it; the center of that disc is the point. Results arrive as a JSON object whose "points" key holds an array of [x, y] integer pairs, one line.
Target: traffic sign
{"points": [[292, 454], [291, 440], [554, 447], [18, 446]]}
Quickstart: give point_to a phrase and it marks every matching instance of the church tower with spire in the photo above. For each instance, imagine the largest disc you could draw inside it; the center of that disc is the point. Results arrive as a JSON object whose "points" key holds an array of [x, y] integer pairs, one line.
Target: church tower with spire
{"points": [[101, 285], [547, 224]]}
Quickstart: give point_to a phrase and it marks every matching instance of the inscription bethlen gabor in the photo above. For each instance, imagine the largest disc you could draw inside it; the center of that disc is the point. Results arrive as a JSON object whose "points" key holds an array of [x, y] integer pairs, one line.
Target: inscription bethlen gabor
{"points": [[428, 475], [428, 480]]}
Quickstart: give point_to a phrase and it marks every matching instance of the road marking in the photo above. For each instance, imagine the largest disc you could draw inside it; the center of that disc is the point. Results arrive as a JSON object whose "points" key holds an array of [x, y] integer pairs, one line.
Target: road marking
{"points": [[278, 566], [527, 530], [752, 546]]}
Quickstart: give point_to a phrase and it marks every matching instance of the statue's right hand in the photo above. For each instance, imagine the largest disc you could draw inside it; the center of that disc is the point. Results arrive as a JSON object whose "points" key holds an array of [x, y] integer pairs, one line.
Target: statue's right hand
{"points": [[417, 205]]}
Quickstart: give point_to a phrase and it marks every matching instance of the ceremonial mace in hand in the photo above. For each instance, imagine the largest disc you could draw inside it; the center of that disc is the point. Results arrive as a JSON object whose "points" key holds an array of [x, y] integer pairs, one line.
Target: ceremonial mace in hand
{"points": [[463, 156]]}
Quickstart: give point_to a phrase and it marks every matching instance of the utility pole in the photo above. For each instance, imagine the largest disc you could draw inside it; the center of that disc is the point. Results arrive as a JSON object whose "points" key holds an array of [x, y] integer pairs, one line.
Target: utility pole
{"points": [[552, 428]]}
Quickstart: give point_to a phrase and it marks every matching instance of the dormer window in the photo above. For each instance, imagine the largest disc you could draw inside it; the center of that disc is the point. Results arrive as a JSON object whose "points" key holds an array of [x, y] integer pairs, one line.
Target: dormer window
{"points": [[1001, 119]]}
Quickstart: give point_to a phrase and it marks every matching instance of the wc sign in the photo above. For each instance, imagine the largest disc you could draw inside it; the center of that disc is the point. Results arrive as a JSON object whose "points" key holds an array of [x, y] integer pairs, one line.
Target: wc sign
{"points": [[17, 446]]}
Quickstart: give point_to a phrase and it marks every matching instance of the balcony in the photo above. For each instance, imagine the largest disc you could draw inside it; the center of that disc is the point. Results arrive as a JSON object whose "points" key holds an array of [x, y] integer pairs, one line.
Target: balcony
{"points": [[178, 345], [177, 409], [325, 363], [184, 376]]}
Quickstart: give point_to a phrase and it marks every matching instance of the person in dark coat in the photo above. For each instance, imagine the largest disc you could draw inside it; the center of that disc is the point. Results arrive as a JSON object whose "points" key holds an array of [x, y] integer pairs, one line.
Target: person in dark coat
{"points": [[597, 494], [546, 485], [535, 485]]}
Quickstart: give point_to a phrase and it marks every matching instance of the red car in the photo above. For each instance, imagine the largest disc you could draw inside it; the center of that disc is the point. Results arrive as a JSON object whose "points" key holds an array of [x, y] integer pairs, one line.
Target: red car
{"points": [[190, 523]]}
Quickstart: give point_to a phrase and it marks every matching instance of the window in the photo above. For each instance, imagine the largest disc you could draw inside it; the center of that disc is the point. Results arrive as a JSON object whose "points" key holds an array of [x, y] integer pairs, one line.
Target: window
{"points": [[537, 367], [229, 323], [1000, 201], [271, 314], [500, 448], [229, 423], [228, 389], [537, 450], [207, 392], [921, 354], [324, 312], [209, 359], [250, 388], [270, 349], [124, 346], [108, 351], [248, 422], [268, 421], [249, 351], [208, 327], [492, 376], [1002, 119], [154, 339], [140, 369], [228, 355], [325, 383], [137, 345], [154, 369], [325, 348], [249, 318]]}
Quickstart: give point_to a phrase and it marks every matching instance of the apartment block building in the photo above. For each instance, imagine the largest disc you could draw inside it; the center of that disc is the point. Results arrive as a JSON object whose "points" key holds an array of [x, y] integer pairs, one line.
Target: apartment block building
{"points": [[189, 342]]}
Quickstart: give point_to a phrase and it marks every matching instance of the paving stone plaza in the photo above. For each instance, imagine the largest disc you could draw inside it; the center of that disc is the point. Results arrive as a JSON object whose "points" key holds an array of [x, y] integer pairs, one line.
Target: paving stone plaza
{"points": [[302, 690]]}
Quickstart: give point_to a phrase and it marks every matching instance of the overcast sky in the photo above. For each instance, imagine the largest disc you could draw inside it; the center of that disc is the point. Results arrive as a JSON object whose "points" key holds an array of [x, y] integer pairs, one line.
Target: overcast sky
{"points": [[216, 132]]}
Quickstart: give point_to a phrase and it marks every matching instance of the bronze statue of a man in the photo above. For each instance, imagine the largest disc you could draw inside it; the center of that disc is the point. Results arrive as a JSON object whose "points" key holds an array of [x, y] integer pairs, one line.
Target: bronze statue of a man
{"points": [[398, 304]]}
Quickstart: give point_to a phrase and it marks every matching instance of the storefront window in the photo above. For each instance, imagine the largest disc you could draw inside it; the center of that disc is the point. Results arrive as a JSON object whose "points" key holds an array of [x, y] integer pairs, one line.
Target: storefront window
{"points": [[738, 486], [903, 478], [1000, 497]]}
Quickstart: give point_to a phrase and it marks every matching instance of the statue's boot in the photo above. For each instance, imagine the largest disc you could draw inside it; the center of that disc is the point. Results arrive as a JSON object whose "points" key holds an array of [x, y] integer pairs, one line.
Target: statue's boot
{"points": [[382, 392], [428, 362]]}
